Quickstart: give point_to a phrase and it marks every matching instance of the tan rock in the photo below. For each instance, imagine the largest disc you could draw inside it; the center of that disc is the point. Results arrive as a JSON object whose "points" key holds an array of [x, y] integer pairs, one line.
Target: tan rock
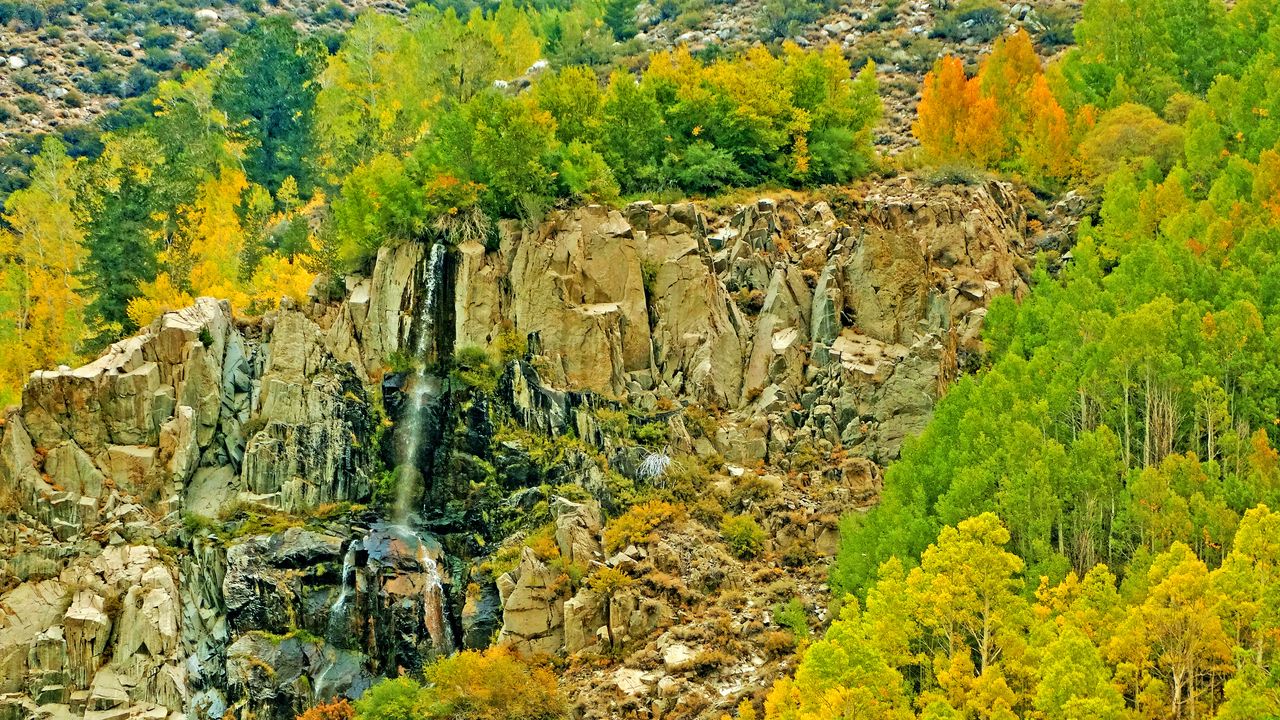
{"points": [[578, 527], [532, 612]]}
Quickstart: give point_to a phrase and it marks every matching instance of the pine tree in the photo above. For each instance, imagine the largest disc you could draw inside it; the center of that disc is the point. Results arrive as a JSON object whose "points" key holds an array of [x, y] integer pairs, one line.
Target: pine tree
{"points": [[620, 16]]}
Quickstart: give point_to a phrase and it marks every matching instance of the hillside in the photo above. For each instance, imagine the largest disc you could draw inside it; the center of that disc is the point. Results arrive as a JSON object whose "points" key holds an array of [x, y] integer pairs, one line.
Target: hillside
{"points": [[72, 68]]}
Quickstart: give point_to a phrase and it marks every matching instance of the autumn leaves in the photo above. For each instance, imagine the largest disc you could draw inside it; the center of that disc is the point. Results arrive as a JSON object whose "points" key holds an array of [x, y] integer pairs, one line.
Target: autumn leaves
{"points": [[1004, 117]]}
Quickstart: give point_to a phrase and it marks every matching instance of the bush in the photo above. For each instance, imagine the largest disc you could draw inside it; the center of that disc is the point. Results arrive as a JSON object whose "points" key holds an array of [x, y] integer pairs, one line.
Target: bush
{"points": [[793, 617], [637, 525], [28, 105], [779, 643], [1056, 26], [705, 168], [979, 20], [489, 685], [748, 490], [159, 59], [393, 699], [27, 80], [337, 710], [783, 18], [474, 368], [710, 660], [743, 535]]}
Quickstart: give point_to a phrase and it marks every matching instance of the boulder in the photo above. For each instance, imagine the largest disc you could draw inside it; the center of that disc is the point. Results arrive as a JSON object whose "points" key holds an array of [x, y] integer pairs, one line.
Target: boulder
{"points": [[583, 620], [532, 610], [578, 528]]}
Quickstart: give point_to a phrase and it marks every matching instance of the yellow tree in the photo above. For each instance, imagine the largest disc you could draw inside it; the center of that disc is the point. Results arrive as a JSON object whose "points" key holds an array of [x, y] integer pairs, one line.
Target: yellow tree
{"points": [[204, 256], [1047, 148], [842, 676], [1007, 76], [955, 121], [1174, 638], [966, 590], [41, 308]]}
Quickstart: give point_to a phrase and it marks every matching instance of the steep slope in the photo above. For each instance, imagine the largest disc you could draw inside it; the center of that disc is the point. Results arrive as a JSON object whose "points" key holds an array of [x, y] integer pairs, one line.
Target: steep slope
{"points": [[229, 518]]}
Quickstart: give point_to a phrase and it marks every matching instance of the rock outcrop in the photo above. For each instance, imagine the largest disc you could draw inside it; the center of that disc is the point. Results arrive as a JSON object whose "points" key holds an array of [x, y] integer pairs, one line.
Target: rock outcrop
{"points": [[204, 522]]}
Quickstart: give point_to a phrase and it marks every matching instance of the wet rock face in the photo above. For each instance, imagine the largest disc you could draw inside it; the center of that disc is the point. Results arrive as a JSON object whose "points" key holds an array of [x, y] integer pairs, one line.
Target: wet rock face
{"points": [[192, 525]]}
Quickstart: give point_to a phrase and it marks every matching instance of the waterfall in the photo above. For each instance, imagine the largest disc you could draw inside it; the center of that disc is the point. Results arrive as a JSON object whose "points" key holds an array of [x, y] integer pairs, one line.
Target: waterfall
{"points": [[337, 613], [433, 603], [414, 435], [421, 388]]}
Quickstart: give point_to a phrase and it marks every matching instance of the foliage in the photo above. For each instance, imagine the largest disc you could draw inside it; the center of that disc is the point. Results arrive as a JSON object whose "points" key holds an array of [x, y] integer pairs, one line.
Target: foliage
{"points": [[474, 368], [1118, 446], [267, 91], [637, 525], [743, 535], [1005, 116], [492, 684], [793, 617], [42, 306], [339, 709]]}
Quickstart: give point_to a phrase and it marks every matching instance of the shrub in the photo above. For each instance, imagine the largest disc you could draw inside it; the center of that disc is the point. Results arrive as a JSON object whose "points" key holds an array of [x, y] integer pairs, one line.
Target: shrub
{"points": [[779, 643], [749, 489], [793, 617], [783, 18], [980, 20], [28, 105], [339, 709], [393, 699], [653, 434], [743, 535], [474, 368], [637, 525], [708, 511], [27, 80], [614, 422], [1056, 26], [708, 661], [194, 56], [489, 685]]}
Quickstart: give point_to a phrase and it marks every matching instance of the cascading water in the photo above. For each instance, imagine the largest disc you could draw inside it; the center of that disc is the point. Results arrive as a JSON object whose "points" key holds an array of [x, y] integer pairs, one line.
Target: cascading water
{"points": [[337, 613], [433, 602], [420, 389]]}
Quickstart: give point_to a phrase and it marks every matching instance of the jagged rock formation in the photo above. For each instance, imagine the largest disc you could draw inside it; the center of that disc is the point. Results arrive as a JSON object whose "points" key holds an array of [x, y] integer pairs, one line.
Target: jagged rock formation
{"points": [[198, 524]]}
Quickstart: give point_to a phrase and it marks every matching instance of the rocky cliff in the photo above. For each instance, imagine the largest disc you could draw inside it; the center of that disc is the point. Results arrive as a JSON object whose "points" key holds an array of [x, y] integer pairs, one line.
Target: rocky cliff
{"points": [[225, 518]]}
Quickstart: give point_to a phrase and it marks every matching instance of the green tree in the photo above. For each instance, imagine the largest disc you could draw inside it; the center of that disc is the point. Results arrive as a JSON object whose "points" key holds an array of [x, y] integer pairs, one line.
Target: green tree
{"points": [[633, 132], [1075, 682], [124, 192], [268, 92], [620, 16]]}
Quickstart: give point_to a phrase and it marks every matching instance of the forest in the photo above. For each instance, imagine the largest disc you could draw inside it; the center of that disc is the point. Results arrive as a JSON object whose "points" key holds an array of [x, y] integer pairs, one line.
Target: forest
{"points": [[1085, 528]]}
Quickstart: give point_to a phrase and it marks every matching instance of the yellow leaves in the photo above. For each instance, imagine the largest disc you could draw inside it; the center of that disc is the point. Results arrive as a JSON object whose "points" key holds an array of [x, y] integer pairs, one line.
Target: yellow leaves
{"points": [[278, 277], [1048, 150], [954, 121], [157, 297], [1007, 110], [41, 308], [213, 237]]}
